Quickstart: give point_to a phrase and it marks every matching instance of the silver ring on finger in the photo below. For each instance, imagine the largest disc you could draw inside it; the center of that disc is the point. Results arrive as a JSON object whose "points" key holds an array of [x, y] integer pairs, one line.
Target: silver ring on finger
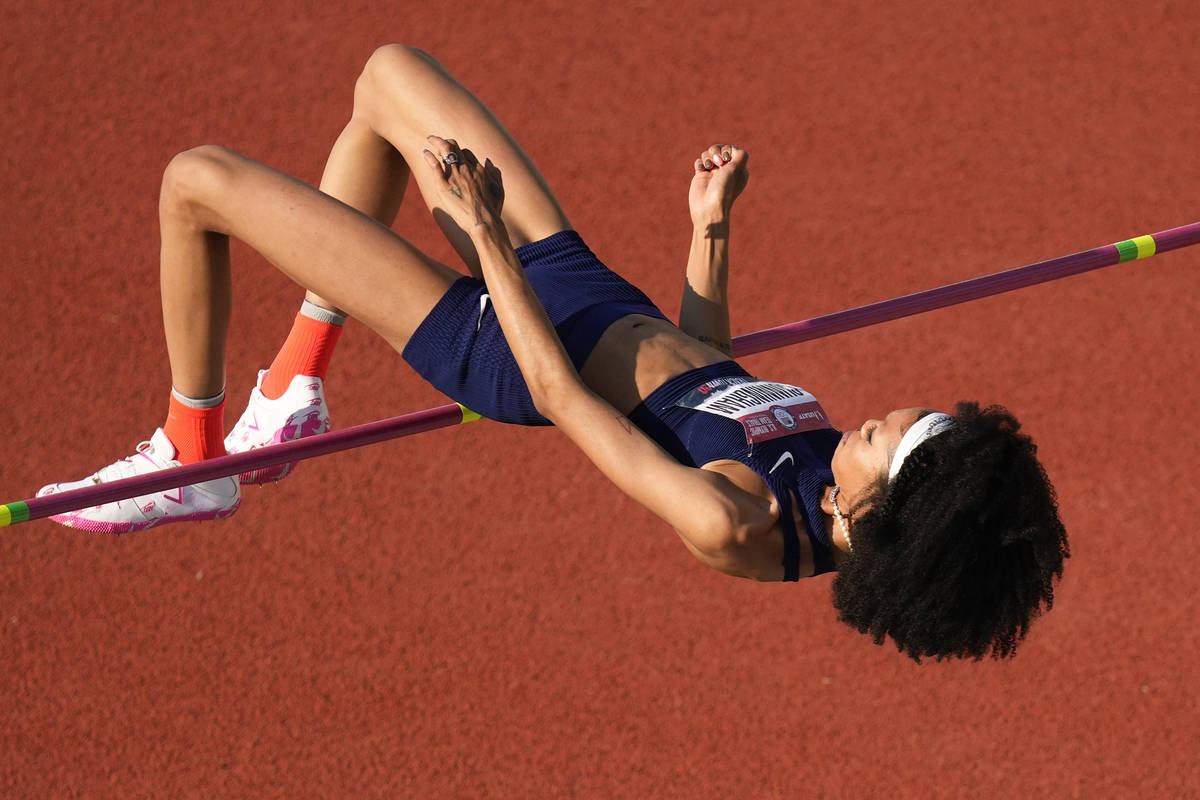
{"points": [[450, 158]]}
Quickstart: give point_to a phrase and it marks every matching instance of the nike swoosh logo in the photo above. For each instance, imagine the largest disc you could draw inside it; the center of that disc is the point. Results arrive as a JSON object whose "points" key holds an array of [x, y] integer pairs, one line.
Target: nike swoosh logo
{"points": [[483, 301], [785, 457]]}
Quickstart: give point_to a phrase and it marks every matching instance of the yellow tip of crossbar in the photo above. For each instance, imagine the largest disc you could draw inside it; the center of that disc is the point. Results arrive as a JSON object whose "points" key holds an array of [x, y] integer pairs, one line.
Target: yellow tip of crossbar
{"points": [[12, 513]]}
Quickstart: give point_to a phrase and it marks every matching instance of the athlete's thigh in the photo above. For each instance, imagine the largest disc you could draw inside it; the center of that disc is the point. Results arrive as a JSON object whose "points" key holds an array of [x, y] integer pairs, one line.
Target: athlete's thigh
{"points": [[324, 245], [408, 96]]}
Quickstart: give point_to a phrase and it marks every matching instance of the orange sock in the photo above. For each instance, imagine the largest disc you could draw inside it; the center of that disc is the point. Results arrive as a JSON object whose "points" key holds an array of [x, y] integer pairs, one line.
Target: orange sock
{"points": [[197, 433], [306, 351]]}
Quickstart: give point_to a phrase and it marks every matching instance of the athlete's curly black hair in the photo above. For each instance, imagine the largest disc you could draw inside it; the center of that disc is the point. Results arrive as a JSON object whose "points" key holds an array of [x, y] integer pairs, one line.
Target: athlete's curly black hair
{"points": [[957, 556]]}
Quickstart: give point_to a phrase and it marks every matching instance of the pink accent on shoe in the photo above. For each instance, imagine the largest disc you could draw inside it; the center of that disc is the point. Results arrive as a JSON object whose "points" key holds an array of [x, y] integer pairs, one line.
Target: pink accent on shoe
{"points": [[72, 520], [309, 425], [298, 413]]}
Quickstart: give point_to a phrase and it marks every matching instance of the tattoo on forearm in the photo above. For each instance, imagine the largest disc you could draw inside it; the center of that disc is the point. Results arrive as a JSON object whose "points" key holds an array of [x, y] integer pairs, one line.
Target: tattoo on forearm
{"points": [[723, 345], [457, 192]]}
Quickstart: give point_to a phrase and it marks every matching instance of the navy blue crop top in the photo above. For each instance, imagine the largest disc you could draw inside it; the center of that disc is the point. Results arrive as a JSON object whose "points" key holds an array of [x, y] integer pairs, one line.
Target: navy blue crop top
{"points": [[792, 464]]}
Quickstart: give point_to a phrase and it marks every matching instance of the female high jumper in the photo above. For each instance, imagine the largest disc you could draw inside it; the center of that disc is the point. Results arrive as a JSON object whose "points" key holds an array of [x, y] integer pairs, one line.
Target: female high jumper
{"points": [[943, 527]]}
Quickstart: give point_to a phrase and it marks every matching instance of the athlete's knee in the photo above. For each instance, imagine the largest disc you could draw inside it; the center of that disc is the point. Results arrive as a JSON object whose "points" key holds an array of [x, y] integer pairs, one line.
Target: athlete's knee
{"points": [[194, 177], [389, 67], [397, 59]]}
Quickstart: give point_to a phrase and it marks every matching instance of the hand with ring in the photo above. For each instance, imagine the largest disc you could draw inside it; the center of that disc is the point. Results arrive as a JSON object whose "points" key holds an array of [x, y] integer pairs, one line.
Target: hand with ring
{"points": [[471, 193]]}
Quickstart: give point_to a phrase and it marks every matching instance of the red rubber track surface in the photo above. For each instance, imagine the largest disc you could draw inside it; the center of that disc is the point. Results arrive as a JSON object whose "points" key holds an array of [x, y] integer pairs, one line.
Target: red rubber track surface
{"points": [[475, 612]]}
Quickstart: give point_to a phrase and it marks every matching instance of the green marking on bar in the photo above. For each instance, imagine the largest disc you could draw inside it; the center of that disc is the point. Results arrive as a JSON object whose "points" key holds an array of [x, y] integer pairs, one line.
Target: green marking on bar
{"points": [[1128, 250], [12, 513], [467, 414]]}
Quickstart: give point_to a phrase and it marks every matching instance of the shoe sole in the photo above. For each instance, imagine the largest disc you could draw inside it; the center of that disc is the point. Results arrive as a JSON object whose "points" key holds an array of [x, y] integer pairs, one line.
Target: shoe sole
{"points": [[274, 474], [80, 523]]}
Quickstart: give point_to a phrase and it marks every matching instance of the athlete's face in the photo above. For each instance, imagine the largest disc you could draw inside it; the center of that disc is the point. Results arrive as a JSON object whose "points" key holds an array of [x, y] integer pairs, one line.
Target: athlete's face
{"points": [[864, 455]]}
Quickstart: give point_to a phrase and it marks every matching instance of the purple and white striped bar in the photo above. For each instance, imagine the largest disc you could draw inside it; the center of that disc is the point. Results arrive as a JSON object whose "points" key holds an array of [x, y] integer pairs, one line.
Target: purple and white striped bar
{"points": [[453, 414]]}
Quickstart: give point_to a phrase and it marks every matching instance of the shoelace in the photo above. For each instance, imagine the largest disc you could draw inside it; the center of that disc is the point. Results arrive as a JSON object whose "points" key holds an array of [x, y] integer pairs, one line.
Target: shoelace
{"points": [[120, 469]]}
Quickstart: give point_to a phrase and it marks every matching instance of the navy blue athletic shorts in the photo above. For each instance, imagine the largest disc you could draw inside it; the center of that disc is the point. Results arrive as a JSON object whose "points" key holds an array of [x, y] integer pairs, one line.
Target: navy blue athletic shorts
{"points": [[460, 349]]}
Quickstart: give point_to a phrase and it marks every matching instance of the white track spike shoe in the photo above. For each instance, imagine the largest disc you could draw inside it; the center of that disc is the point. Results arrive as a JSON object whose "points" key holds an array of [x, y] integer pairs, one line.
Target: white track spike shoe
{"points": [[215, 499], [299, 412]]}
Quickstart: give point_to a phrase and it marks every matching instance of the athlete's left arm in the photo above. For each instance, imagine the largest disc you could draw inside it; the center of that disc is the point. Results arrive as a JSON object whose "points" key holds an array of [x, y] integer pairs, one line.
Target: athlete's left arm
{"points": [[720, 175]]}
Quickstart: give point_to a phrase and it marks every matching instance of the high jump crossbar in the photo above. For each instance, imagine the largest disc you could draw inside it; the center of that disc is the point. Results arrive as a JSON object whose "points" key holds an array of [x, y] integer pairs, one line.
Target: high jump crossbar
{"points": [[453, 414]]}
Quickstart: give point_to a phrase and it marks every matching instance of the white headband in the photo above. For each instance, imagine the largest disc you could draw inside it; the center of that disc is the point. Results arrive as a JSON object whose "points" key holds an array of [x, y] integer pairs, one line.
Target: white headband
{"points": [[926, 427]]}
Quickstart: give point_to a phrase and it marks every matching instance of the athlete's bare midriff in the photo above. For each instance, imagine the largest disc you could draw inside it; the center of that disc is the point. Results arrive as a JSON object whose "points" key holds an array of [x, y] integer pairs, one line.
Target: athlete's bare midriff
{"points": [[637, 354]]}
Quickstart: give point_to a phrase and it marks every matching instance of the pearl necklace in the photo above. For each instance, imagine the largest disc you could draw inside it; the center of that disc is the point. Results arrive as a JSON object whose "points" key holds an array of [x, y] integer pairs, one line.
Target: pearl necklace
{"points": [[840, 518]]}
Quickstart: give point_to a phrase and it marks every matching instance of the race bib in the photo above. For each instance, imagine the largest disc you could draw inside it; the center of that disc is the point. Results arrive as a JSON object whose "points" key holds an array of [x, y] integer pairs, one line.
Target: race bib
{"points": [[765, 410]]}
